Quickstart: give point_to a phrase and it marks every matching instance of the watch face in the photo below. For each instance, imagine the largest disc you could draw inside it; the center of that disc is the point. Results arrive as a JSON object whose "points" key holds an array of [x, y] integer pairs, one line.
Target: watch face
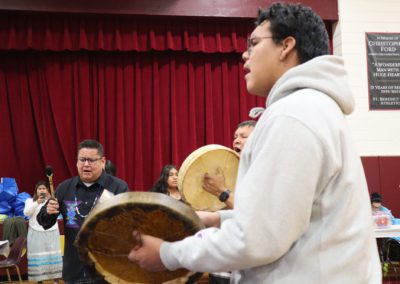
{"points": [[224, 196]]}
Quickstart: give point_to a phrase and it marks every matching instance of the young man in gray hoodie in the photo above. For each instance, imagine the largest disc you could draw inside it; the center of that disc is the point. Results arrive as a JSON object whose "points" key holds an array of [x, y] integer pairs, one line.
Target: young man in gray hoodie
{"points": [[301, 212]]}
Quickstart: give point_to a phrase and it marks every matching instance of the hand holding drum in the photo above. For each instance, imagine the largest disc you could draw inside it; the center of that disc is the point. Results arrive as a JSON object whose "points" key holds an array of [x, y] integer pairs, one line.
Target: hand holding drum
{"points": [[52, 207], [212, 160]]}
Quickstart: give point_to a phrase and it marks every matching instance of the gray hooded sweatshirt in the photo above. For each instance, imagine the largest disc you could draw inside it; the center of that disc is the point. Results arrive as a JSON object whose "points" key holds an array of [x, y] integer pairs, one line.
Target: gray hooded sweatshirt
{"points": [[302, 212]]}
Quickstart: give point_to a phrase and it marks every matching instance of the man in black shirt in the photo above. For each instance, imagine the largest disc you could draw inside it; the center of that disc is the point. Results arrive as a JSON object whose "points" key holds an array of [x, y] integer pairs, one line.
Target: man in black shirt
{"points": [[75, 198]]}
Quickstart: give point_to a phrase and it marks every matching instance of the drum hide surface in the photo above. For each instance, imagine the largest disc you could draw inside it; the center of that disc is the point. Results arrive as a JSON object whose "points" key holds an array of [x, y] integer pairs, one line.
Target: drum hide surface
{"points": [[105, 238]]}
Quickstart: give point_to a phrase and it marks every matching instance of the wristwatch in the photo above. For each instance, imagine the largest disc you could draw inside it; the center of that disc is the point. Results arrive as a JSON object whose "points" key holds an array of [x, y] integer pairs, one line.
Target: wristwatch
{"points": [[224, 195]]}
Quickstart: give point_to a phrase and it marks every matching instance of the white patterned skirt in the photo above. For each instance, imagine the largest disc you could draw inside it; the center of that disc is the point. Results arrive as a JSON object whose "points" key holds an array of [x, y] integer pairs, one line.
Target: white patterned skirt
{"points": [[44, 255]]}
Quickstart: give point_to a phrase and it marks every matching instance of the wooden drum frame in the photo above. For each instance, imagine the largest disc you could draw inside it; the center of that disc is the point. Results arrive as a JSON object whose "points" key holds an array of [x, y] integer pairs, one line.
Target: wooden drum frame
{"points": [[207, 159], [105, 238]]}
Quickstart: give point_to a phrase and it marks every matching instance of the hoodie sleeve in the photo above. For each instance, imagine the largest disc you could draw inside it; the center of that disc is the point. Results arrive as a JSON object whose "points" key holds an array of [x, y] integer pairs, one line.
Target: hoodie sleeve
{"points": [[225, 215], [273, 204], [30, 207]]}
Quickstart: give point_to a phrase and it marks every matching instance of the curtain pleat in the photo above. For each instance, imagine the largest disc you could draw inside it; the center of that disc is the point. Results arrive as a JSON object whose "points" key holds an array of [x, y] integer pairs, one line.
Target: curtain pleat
{"points": [[147, 109], [74, 32], [150, 89]]}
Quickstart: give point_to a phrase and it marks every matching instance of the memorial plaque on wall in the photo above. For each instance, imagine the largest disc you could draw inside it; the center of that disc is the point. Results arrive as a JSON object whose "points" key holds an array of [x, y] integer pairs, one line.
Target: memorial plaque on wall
{"points": [[383, 56]]}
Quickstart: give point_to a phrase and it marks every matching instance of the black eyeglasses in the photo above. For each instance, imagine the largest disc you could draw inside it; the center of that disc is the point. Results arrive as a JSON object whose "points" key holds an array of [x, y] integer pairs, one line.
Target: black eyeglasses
{"points": [[251, 42], [89, 160]]}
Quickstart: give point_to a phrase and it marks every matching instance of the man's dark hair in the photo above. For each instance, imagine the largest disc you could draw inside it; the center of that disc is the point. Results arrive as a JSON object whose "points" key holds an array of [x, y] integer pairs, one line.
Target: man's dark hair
{"points": [[92, 144], [248, 123], [300, 22]]}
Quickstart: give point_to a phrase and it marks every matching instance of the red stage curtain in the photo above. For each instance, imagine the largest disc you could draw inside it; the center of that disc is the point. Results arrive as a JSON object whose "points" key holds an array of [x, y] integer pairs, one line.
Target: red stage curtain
{"points": [[59, 32], [147, 108], [151, 89]]}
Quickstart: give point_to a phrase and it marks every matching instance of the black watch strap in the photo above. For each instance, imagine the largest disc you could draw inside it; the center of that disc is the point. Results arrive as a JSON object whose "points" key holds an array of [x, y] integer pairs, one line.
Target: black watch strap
{"points": [[224, 195]]}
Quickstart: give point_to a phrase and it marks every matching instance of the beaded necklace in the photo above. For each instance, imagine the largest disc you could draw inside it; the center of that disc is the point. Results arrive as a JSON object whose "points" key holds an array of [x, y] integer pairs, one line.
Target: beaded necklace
{"points": [[76, 204]]}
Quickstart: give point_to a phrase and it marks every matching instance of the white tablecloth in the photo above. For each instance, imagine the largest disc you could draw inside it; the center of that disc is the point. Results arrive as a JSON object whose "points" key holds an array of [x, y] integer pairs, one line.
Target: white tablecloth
{"points": [[393, 231]]}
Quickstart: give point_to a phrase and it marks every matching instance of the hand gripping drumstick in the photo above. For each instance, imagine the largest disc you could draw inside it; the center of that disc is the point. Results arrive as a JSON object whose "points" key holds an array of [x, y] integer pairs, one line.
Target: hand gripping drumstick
{"points": [[49, 174]]}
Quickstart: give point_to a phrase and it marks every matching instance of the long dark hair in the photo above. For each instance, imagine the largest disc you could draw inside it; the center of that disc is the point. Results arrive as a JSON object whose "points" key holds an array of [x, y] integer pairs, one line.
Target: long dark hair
{"points": [[161, 184], [39, 183]]}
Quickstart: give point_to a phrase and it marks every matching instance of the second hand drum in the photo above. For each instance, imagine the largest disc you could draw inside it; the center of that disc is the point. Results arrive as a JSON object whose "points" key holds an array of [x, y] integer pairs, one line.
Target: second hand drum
{"points": [[207, 159]]}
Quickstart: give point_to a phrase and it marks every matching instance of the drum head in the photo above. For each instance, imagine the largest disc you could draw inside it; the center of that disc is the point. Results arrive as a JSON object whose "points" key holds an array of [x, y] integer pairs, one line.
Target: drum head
{"points": [[207, 159], [105, 238]]}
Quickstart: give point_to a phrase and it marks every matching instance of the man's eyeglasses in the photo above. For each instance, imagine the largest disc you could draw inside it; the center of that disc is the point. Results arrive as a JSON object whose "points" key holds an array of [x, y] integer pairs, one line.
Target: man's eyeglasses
{"points": [[251, 42], [89, 160]]}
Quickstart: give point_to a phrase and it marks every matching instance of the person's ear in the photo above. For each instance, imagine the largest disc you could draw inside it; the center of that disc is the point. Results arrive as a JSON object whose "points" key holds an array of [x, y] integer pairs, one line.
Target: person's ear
{"points": [[288, 45]]}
